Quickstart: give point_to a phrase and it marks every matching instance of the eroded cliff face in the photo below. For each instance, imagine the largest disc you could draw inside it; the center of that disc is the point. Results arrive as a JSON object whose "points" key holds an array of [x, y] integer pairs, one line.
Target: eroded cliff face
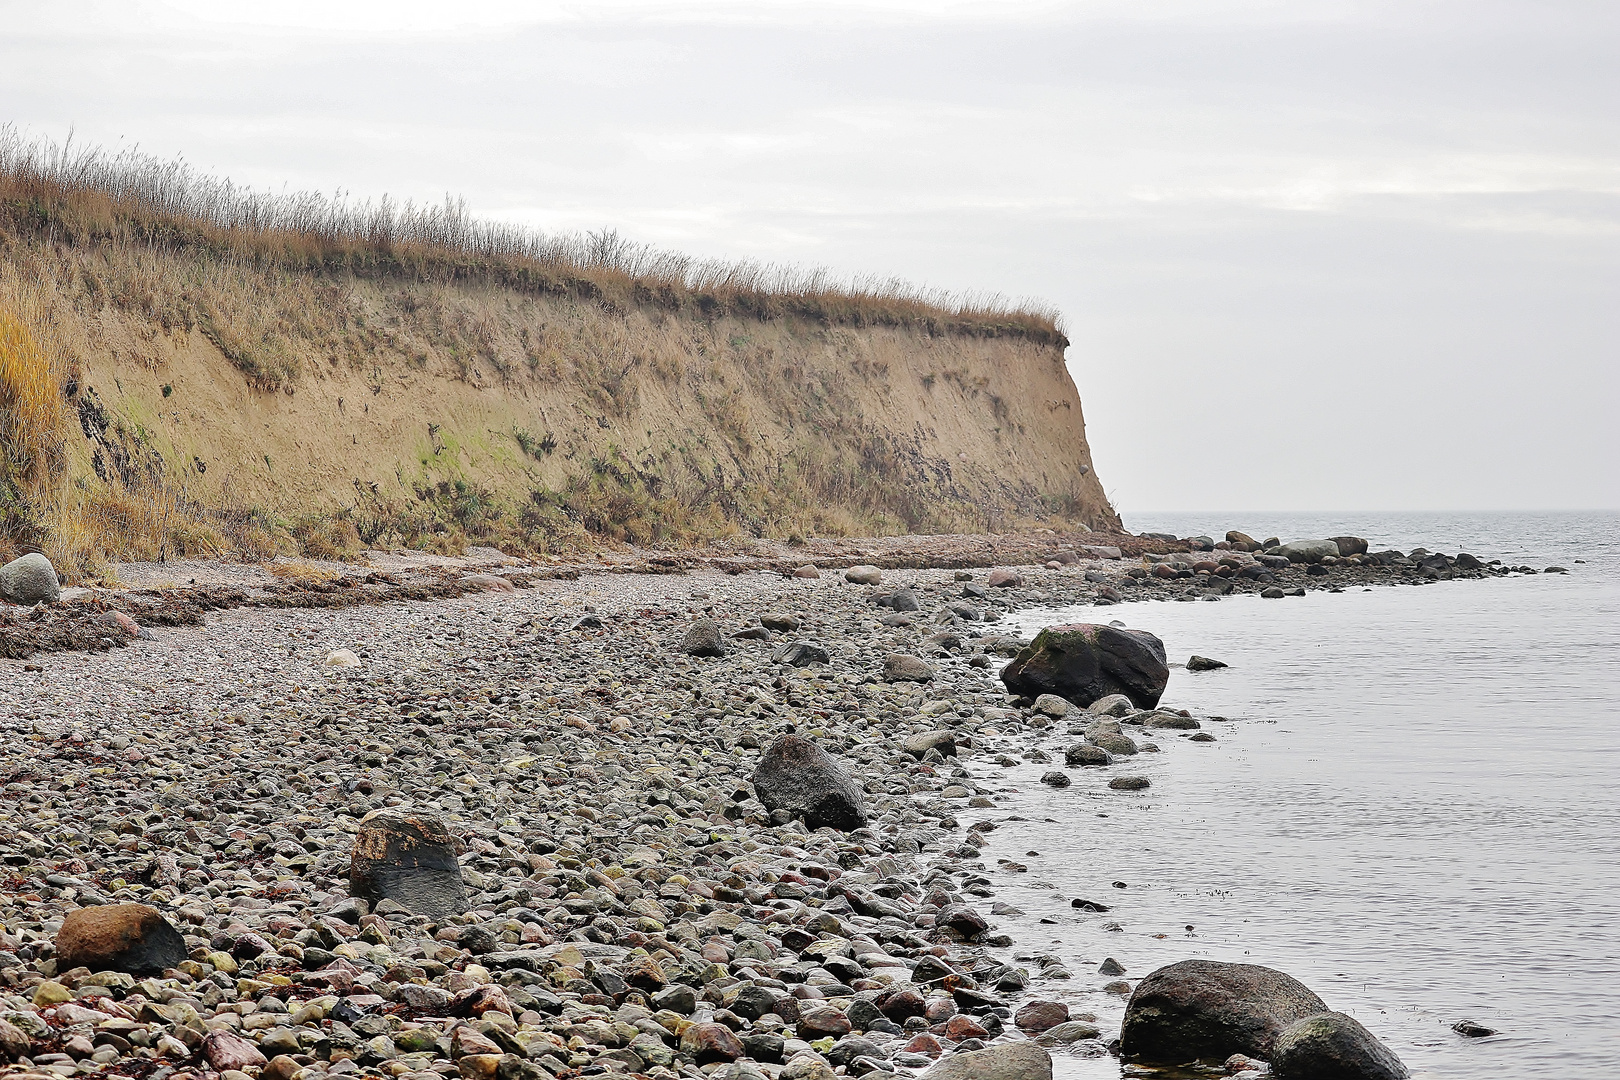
{"points": [[419, 410]]}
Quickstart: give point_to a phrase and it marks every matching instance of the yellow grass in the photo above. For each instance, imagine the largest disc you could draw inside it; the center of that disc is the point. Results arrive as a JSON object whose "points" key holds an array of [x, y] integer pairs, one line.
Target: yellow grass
{"points": [[32, 427]]}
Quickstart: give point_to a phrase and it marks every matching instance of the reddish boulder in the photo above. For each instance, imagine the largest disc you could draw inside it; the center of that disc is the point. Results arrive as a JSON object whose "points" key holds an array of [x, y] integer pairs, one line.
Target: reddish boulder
{"points": [[132, 938]]}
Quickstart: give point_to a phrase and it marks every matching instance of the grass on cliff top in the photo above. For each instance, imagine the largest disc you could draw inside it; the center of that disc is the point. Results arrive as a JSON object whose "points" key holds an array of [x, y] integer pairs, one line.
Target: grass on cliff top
{"points": [[84, 196]]}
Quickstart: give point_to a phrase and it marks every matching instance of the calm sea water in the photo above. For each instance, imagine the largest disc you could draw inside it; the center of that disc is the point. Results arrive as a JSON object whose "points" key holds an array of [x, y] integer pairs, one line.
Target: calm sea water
{"points": [[1415, 808]]}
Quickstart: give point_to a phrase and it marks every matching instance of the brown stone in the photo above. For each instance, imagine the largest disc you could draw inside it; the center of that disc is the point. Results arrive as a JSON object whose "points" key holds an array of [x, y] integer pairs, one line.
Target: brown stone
{"points": [[711, 1042], [228, 1050], [410, 859], [962, 1026], [1003, 579], [132, 938], [1038, 1016], [823, 1021]]}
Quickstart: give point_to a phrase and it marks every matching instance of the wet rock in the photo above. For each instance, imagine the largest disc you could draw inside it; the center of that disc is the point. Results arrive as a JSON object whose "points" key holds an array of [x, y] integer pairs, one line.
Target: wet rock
{"points": [[798, 776], [1273, 593], [131, 938], [1332, 1046], [228, 1050], [1052, 705], [1037, 1016], [1470, 1030], [1081, 754], [1110, 966], [823, 1022], [863, 575], [1056, 778], [1006, 1061], [962, 919], [711, 1042], [901, 667], [800, 654], [1203, 663], [1306, 551], [1129, 783], [1113, 705], [704, 638], [409, 859], [1349, 545], [918, 745], [1068, 1032], [30, 579], [1203, 1009], [1084, 662], [1169, 721]]}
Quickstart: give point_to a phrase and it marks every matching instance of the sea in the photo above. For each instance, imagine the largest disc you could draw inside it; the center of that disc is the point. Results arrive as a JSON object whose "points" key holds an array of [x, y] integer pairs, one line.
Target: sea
{"points": [[1412, 804]]}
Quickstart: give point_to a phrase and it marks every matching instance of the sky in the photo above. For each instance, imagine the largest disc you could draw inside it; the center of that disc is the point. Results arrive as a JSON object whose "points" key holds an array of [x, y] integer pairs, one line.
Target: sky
{"points": [[1311, 254]]}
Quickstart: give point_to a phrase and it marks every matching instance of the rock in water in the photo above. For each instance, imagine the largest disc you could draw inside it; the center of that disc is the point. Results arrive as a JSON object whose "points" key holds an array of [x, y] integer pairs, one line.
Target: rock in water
{"points": [[1332, 1046], [1205, 1009], [1307, 551], [29, 580], [900, 667], [132, 938], [798, 776], [704, 638], [410, 859], [1203, 663], [1084, 662], [1006, 1061]]}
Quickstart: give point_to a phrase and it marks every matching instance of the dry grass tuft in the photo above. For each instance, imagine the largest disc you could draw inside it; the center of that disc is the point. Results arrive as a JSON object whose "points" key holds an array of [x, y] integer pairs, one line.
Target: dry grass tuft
{"points": [[33, 425], [85, 197]]}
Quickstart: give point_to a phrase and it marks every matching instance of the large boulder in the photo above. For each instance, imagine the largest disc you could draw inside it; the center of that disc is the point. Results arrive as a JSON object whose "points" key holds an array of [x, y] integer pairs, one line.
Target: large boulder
{"points": [[796, 775], [132, 938], [1350, 545], [1004, 1061], [1332, 1046], [29, 580], [409, 859], [1203, 1009], [1306, 551], [704, 638], [1083, 662]]}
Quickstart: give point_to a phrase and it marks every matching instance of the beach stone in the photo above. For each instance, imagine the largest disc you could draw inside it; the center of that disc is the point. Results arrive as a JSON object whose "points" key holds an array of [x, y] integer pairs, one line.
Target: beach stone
{"points": [[1003, 579], [1203, 663], [489, 583], [1205, 1009], [1115, 742], [1349, 545], [1110, 966], [1038, 1016], [918, 745], [1129, 783], [711, 1042], [1005, 1061], [1083, 662], [1070, 1031], [1235, 538], [228, 1050], [823, 1022], [131, 938], [14, 1041], [1273, 593], [1332, 1046], [1056, 778], [1083, 754], [705, 637], [779, 621], [678, 998], [798, 776], [1115, 705], [800, 654], [30, 579], [807, 571], [1168, 721], [1306, 551], [1104, 551], [1052, 705], [963, 919], [863, 575], [409, 859], [342, 658], [901, 667]]}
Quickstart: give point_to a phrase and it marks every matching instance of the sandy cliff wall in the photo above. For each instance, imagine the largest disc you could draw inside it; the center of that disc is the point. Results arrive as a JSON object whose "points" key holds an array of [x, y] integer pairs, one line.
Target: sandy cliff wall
{"points": [[423, 411]]}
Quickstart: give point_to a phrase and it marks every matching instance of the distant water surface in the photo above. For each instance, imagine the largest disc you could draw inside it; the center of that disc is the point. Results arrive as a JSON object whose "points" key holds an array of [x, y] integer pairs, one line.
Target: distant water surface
{"points": [[1415, 809]]}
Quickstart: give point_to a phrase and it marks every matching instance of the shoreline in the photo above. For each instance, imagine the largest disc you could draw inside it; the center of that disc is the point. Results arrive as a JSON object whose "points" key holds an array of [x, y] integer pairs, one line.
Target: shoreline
{"points": [[596, 778]]}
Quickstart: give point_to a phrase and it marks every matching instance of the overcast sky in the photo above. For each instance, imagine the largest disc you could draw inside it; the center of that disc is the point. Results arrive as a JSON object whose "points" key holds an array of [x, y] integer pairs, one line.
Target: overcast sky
{"points": [[1311, 254]]}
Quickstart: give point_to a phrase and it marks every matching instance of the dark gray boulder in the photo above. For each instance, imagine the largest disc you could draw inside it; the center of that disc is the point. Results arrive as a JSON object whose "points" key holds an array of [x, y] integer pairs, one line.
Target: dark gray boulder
{"points": [[409, 859], [1332, 1046], [1084, 662], [1206, 1010], [1087, 754], [800, 654], [797, 776], [1203, 663], [704, 638]]}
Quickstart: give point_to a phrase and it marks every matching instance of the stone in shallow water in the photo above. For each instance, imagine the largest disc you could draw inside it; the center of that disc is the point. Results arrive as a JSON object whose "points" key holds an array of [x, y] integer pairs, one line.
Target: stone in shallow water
{"points": [[1332, 1046], [1206, 1009]]}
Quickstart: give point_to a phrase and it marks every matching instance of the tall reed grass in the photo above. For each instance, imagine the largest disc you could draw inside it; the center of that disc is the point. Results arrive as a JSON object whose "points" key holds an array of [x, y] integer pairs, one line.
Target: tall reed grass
{"points": [[78, 195], [32, 433]]}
